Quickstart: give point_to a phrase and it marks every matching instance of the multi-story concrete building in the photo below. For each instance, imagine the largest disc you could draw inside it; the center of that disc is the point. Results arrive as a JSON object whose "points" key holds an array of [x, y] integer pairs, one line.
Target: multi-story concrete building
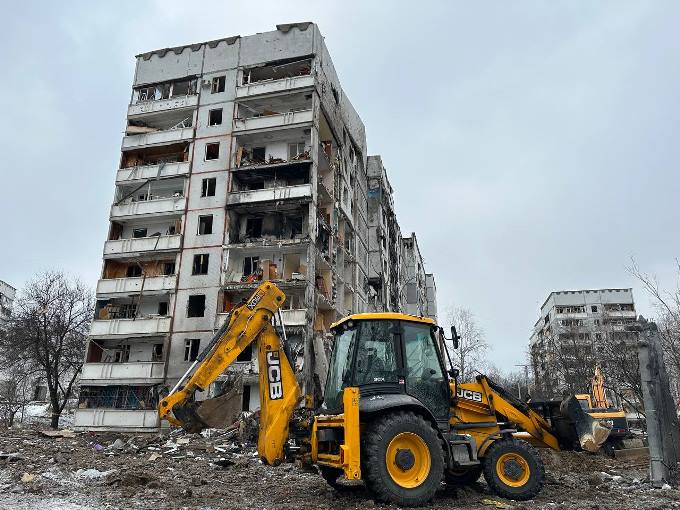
{"points": [[243, 160], [430, 296], [414, 280], [567, 338], [7, 295], [396, 271], [384, 240]]}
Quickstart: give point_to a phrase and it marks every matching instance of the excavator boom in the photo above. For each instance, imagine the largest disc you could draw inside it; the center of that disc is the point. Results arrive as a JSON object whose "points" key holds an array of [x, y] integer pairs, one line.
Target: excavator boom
{"points": [[279, 390]]}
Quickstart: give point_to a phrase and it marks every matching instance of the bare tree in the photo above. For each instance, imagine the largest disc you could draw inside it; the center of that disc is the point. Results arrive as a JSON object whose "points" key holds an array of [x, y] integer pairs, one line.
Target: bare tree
{"points": [[667, 306], [516, 381], [470, 356], [575, 357], [15, 391], [48, 329], [618, 358]]}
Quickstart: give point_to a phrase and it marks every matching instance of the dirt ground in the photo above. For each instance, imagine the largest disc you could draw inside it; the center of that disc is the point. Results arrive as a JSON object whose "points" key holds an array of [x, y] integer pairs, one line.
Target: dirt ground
{"points": [[176, 471]]}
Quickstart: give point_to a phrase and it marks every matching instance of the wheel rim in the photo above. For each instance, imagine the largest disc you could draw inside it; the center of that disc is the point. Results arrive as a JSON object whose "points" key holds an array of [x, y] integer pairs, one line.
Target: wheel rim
{"points": [[408, 460], [513, 469]]}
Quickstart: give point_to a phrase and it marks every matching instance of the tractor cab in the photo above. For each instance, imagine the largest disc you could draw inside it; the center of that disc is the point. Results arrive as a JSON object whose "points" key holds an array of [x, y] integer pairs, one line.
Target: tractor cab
{"points": [[394, 359]]}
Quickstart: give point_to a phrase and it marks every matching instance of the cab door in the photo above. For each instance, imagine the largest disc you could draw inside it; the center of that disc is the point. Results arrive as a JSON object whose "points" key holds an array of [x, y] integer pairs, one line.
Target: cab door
{"points": [[425, 376]]}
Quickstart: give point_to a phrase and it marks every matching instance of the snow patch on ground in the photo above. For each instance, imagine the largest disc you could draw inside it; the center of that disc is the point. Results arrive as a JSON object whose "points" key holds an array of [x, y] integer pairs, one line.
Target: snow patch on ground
{"points": [[92, 474]]}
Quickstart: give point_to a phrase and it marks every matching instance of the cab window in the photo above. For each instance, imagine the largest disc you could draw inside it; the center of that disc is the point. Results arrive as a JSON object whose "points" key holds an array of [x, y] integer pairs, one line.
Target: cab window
{"points": [[340, 366], [424, 376], [421, 356], [376, 361]]}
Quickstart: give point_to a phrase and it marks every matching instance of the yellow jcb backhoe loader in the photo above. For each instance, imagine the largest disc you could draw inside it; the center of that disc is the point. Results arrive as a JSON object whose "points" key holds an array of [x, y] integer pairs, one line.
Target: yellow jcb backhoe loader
{"points": [[392, 416]]}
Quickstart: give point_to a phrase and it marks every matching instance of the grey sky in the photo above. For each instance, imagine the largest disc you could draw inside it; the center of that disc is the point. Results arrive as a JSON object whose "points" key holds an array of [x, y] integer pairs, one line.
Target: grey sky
{"points": [[530, 144]]}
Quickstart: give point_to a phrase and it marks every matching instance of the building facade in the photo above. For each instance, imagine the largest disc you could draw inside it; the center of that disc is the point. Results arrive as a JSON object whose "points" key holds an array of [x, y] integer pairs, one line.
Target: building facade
{"points": [[385, 261], [414, 279], [396, 270], [569, 339], [7, 295], [243, 161]]}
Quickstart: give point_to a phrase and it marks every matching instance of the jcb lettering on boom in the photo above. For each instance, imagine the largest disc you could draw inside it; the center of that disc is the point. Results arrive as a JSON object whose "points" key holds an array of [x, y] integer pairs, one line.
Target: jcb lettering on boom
{"points": [[475, 396], [254, 301], [274, 376]]}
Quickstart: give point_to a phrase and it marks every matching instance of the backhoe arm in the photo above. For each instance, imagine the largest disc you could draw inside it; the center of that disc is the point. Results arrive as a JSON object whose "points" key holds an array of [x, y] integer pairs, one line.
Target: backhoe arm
{"points": [[279, 390]]}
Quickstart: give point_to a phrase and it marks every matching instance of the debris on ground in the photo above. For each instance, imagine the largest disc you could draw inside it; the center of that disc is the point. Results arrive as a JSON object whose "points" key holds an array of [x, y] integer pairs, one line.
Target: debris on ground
{"points": [[59, 433], [494, 503], [27, 477], [90, 474], [221, 469]]}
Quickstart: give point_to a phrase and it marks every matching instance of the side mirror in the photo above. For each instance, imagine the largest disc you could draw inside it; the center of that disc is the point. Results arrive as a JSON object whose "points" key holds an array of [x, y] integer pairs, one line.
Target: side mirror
{"points": [[454, 373], [454, 337]]}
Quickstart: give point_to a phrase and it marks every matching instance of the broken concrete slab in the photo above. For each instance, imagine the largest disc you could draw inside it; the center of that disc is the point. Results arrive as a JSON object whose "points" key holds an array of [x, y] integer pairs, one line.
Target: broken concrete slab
{"points": [[59, 433], [632, 453]]}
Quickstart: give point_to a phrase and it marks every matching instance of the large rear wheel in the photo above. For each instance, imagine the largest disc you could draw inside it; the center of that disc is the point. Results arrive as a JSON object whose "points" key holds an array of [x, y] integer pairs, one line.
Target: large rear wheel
{"points": [[402, 459], [513, 469]]}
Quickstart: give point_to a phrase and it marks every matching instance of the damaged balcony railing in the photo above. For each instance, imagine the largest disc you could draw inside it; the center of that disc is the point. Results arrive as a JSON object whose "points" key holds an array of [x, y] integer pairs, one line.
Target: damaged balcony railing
{"points": [[118, 397], [128, 371], [140, 133], [246, 157]]}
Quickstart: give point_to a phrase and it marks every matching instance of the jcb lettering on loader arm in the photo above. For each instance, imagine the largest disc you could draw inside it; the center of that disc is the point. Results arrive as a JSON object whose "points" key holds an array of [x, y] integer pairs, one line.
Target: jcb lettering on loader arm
{"points": [[475, 396], [274, 375]]}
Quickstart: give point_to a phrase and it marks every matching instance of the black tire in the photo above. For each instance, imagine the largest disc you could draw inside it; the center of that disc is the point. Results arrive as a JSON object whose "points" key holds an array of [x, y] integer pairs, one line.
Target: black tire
{"points": [[512, 447], [609, 449], [376, 441], [331, 476], [463, 476]]}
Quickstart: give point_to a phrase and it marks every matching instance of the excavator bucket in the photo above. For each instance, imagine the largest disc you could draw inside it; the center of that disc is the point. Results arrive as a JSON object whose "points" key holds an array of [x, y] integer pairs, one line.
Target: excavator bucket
{"points": [[220, 412], [591, 433], [217, 412]]}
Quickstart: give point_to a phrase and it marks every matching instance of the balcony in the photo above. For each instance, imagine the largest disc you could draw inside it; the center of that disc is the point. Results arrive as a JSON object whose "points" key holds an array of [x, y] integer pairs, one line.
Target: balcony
{"points": [[243, 286], [116, 287], [141, 173], [161, 206], [120, 420], [620, 314], [141, 372], [137, 246], [275, 86], [158, 137], [143, 326], [302, 191], [163, 105], [276, 121], [294, 317]]}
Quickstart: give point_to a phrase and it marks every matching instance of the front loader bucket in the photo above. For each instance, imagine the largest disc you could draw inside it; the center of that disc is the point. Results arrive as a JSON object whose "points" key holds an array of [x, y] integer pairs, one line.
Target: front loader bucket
{"points": [[591, 433]]}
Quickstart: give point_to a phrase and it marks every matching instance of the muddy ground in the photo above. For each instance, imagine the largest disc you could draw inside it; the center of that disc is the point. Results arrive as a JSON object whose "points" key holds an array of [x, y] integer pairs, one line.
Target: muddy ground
{"points": [[87, 471]]}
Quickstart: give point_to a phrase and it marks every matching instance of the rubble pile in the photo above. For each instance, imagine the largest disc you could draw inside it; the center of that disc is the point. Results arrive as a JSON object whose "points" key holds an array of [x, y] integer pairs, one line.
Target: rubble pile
{"points": [[221, 469]]}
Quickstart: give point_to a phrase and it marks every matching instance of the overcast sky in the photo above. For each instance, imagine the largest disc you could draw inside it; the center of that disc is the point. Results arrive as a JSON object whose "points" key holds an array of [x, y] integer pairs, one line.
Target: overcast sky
{"points": [[532, 146]]}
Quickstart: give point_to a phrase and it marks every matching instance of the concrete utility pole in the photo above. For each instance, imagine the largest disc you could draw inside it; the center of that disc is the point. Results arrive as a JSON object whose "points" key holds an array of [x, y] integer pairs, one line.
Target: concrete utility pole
{"points": [[663, 429]]}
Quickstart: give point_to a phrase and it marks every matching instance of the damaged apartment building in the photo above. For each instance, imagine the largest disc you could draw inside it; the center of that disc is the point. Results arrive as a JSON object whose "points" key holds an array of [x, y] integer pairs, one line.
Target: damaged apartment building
{"points": [[396, 271], [242, 161]]}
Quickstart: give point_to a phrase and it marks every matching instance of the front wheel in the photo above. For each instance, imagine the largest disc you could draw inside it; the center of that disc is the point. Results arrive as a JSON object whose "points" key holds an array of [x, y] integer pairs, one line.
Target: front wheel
{"points": [[402, 459], [513, 469]]}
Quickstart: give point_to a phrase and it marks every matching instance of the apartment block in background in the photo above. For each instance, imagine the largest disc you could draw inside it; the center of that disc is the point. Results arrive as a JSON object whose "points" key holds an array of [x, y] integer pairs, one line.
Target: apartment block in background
{"points": [[396, 275], [7, 295], [414, 280], [567, 338], [385, 245], [243, 161]]}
